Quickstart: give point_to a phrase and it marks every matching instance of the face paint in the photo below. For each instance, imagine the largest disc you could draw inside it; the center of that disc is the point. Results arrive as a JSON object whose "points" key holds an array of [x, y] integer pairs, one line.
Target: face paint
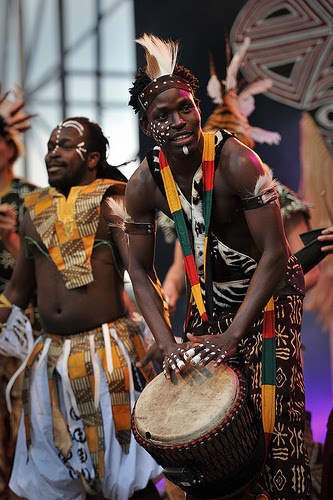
{"points": [[173, 120], [80, 128], [56, 147], [66, 160], [160, 131], [80, 150]]}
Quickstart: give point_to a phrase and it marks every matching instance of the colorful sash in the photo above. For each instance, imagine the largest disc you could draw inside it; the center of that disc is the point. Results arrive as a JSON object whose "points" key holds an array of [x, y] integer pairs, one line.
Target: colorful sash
{"points": [[176, 210], [268, 334]]}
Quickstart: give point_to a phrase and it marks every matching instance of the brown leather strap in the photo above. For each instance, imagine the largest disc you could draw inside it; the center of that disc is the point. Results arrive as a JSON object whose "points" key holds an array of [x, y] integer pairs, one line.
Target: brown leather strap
{"points": [[269, 196], [142, 228]]}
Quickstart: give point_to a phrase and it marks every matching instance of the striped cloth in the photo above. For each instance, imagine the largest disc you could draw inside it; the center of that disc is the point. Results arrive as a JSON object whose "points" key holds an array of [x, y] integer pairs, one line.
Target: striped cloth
{"points": [[179, 219], [268, 381]]}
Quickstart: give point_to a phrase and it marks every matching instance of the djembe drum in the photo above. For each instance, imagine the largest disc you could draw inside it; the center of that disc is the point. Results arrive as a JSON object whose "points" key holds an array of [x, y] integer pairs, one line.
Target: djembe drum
{"points": [[201, 429]]}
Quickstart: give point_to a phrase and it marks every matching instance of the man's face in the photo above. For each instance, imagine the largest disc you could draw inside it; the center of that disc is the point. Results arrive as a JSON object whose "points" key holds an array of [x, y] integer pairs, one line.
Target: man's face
{"points": [[173, 119], [66, 160]]}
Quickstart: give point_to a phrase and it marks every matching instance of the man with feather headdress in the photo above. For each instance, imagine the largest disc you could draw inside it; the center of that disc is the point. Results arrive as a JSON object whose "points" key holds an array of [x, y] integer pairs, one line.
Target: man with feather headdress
{"points": [[236, 257]]}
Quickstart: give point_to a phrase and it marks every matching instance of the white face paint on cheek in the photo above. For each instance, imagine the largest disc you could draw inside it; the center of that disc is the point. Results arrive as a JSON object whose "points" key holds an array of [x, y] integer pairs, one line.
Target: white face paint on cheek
{"points": [[81, 150], [156, 132]]}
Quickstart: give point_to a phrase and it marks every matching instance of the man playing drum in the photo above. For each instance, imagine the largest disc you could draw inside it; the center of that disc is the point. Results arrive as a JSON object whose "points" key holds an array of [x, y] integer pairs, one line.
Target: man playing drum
{"points": [[243, 278]]}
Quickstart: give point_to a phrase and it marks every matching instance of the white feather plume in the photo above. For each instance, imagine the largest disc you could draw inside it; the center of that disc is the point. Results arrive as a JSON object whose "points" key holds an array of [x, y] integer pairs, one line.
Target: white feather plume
{"points": [[247, 106], [161, 55], [260, 135], [118, 209], [257, 87], [235, 64], [264, 183], [214, 89], [265, 187], [246, 99]]}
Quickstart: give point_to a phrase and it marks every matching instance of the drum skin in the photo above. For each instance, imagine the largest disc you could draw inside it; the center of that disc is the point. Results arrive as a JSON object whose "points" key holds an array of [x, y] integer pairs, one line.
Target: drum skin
{"points": [[200, 428]]}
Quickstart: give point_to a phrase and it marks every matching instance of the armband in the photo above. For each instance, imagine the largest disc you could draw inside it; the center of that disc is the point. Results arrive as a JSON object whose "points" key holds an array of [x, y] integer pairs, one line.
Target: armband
{"points": [[16, 339], [267, 197], [264, 193], [126, 223], [142, 228]]}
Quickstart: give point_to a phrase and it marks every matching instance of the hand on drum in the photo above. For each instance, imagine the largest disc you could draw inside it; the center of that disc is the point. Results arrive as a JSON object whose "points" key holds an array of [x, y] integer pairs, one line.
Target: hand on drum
{"points": [[152, 354], [207, 348], [174, 359]]}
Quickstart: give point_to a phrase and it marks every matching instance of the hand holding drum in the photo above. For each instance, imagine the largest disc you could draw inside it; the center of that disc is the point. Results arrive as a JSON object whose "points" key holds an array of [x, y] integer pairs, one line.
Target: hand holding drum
{"points": [[208, 348], [199, 351]]}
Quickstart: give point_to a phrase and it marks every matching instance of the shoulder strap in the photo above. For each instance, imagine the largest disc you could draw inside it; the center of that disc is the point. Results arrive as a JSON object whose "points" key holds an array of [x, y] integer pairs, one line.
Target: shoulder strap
{"points": [[153, 164], [221, 136]]}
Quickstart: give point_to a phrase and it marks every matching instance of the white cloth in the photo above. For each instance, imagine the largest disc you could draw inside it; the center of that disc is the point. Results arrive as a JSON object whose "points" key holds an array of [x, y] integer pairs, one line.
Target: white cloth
{"points": [[41, 473], [16, 339]]}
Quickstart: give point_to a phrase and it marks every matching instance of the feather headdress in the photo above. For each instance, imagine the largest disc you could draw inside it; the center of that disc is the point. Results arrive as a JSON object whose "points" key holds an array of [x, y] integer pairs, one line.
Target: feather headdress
{"points": [[13, 119], [161, 55], [161, 58], [233, 107]]}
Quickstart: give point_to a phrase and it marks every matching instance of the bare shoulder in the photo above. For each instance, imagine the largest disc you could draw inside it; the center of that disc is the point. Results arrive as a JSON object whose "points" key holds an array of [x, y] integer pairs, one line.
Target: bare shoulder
{"points": [[240, 167], [140, 191]]}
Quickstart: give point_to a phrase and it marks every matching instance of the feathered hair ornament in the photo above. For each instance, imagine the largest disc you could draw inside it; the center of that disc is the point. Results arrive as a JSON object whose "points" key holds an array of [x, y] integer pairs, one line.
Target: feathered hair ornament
{"points": [[234, 106], [161, 58], [13, 119], [161, 55]]}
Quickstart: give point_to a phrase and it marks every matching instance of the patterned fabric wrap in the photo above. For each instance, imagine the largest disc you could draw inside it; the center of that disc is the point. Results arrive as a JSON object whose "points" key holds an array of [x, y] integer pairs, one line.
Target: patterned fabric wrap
{"points": [[9, 422], [286, 473], [68, 227], [84, 353]]}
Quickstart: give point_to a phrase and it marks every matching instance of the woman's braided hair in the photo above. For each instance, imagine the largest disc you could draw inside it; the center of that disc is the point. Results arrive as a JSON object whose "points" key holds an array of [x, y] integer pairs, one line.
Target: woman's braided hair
{"points": [[142, 80]]}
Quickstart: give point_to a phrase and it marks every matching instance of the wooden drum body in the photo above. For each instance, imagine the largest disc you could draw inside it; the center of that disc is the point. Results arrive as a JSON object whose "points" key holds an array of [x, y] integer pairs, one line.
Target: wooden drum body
{"points": [[200, 429]]}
